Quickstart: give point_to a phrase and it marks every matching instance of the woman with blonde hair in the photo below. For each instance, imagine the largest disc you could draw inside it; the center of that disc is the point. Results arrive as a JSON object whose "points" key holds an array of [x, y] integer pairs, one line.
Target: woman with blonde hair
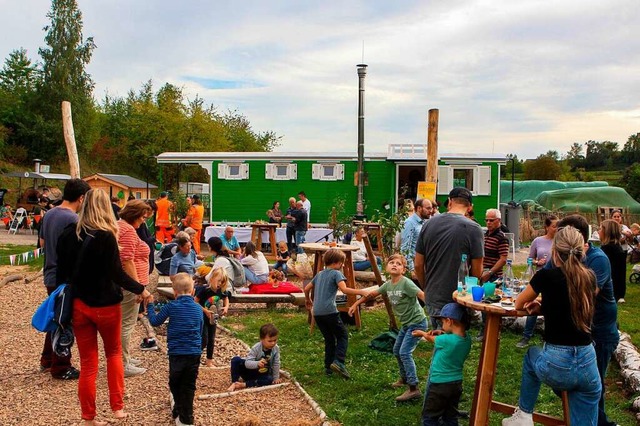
{"points": [[89, 260], [217, 288], [610, 234], [568, 360]]}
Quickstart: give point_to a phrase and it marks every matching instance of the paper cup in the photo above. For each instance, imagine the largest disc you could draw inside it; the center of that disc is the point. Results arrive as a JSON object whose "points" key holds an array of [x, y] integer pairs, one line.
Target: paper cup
{"points": [[477, 293]]}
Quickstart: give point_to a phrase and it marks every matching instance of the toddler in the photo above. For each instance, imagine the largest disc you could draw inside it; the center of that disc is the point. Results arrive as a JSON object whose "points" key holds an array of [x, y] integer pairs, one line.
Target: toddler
{"points": [[207, 296], [262, 366], [282, 257]]}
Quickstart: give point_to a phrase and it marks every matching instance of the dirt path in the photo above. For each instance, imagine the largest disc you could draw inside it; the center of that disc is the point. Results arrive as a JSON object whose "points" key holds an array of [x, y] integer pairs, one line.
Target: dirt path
{"points": [[28, 397]]}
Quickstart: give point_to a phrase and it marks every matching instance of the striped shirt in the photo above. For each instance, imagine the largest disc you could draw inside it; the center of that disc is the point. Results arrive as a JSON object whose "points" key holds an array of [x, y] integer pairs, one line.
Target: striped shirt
{"points": [[496, 245], [185, 325], [133, 248]]}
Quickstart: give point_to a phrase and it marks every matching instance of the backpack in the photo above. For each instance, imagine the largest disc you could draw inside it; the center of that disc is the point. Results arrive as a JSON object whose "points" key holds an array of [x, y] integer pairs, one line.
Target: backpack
{"points": [[162, 257], [239, 279], [44, 317]]}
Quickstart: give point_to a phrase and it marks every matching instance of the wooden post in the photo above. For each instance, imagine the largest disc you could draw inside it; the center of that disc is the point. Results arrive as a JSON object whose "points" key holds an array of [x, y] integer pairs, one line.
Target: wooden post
{"points": [[393, 325], [432, 146], [70, 140]]}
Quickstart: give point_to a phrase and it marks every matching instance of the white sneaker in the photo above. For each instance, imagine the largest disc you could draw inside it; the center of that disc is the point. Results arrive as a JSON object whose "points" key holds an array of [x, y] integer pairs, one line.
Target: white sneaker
{"points": [[179, 423], [135, 362], [172, 402], [621, 300], [519, 418], [131, 370]]}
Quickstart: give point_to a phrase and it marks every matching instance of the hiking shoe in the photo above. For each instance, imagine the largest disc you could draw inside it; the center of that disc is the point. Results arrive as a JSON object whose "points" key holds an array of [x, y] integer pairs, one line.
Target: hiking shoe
{"points": [[519, 418], [135, 362], [44, 369], [328, 372], [408, 395], [523, 343], [339, 368], [71, 374], [149, 345], [131, 370], [399, 384]]}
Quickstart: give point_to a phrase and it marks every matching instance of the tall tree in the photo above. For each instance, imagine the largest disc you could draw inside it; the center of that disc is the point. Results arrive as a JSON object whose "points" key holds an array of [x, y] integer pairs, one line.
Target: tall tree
{"points": [[18, 75], [65, 78], [631, 150], [542, 168], [575, 158]]}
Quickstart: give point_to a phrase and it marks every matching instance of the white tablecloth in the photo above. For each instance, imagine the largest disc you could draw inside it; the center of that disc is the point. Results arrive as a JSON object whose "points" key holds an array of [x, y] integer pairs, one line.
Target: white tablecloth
{"points": [[243, 234]]}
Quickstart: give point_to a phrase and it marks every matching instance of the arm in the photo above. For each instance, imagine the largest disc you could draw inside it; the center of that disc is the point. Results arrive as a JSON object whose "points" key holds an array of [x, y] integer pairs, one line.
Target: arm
{"points": [[159, 318], [252, 362], [524, 298], [225, 305], [307, 295], [275, 372], [420, 295], [418, 269], [370, 295], [495, 268], [476, 267], [430, 336], [342, 285], [130, 269]]}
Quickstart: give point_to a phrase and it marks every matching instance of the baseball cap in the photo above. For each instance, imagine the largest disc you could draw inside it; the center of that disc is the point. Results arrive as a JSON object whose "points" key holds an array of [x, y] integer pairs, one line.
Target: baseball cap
{"points": [[453, 311], [460, 192], [196, 197], [163, 194]]}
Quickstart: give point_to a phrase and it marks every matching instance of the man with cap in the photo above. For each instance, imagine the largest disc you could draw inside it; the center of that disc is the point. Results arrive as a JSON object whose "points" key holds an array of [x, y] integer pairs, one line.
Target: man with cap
{"points": [[164, 230], [441, 244]]}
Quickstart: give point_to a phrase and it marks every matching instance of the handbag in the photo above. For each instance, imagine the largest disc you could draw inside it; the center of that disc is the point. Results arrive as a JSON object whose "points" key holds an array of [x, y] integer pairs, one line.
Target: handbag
{"points": [[57, 309]]}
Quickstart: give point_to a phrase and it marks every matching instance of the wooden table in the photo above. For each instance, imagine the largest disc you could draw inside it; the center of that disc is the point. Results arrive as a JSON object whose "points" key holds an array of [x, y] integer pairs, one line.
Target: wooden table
{"points": [[318, 250], [485, 381], [256, 237]]}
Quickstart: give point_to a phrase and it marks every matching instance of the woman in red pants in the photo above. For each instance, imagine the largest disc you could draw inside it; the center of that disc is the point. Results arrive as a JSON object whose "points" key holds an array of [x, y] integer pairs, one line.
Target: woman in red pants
{"points": [[89, 262]]}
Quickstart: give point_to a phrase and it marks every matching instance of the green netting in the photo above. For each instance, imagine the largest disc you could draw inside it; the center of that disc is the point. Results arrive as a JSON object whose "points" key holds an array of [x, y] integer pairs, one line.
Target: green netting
{"points": [[587, 199], [531, 189]]}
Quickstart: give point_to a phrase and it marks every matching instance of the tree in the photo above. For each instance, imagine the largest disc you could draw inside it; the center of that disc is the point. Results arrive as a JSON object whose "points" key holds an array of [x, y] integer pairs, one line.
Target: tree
{"points": [[631, 150], [631, 181], [542, 168], [19, 75], [600, 154], [64, 79], [574, 157]]}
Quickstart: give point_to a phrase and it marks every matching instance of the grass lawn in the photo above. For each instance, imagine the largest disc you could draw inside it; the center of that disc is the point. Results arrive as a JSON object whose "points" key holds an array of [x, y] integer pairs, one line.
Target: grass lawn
{"points": [[8, 249], [367, 398]]}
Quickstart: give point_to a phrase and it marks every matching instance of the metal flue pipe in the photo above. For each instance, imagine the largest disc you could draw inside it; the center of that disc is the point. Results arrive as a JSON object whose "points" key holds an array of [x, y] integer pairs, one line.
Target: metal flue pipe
{"points": [[362, 73]]}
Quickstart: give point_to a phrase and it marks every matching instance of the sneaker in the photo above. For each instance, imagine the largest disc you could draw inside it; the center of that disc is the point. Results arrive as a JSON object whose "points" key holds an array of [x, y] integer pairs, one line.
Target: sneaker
{"points": [[44, 369], [149, 345], [71, 374], [523, 343], [135, 362], [399, 384], [339, 368], [519, 418], [131, 370], [172, 402], [179, 423], [408, 395], [328, 372], [621, 300]]}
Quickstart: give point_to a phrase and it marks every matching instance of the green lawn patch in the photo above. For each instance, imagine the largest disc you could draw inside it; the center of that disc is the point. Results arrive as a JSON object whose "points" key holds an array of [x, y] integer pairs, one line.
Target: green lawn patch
{"points": [[7, 250]]}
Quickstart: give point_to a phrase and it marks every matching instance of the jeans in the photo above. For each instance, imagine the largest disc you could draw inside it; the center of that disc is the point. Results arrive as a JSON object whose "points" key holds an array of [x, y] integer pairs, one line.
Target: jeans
{"points": [[282, 264], [183, 374], [565, 368], [436, 324], [253, 378], [299, 240], [336, 337], [530, 326], [291, 238], [403, 351], [129, 317], [49, 359], [253, 278], [604, 352], [363, 265], [441, 401], [87, 323]]}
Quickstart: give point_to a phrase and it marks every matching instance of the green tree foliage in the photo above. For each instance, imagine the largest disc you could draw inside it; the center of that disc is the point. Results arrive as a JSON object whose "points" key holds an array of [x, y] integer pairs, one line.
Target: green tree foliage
{"points": [[574, 157], [631, 181], [544, 167], [631, 150], [601, 154]]}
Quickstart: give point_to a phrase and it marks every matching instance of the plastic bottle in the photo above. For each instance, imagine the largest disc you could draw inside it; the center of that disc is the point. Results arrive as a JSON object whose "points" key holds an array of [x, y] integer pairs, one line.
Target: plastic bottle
{"points": [[527, 275], [463, 273], [508, 280]]}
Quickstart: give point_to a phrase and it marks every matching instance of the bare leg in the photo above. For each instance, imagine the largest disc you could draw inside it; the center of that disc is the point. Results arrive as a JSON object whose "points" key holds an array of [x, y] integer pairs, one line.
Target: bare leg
{"points": [[237, 386]]}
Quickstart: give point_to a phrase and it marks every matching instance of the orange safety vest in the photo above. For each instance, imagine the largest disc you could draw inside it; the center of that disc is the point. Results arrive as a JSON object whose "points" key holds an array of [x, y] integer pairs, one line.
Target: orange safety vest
{"points": [[162, 215], [196, 213]]}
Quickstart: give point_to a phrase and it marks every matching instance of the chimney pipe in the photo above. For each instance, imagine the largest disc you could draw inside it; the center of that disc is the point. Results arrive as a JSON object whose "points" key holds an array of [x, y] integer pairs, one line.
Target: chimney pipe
{"points": [[362, 73]]}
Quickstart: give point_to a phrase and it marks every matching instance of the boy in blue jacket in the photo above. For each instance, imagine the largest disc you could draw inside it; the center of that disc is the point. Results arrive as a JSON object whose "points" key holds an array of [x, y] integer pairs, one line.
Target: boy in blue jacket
{"points": [[184, 339]]}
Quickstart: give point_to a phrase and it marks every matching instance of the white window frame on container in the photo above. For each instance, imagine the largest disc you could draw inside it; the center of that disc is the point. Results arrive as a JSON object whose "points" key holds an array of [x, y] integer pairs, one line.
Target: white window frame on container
{"points": [[327, 171], [480, 177], [281, 171], [233, 171]]}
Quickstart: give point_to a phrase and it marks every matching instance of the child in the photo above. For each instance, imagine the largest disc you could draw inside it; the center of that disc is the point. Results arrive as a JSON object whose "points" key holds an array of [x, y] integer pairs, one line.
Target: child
{"points": [[325, 286], [451, 347], [403, 294], [217, 288], [262, 366], [282, 257], [184, 341]]}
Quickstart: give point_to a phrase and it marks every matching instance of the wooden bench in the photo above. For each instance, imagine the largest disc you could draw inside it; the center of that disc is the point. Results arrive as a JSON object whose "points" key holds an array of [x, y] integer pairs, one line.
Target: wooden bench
{"points": [[270, 299]]}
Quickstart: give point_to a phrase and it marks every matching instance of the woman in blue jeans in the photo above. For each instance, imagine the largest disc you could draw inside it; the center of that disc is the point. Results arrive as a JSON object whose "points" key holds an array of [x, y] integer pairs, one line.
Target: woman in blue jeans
{"points": [[567, 362]]}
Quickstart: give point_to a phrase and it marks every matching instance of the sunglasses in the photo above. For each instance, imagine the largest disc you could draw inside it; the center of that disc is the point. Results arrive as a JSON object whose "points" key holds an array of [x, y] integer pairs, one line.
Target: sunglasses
{"points": [[490, 220]]}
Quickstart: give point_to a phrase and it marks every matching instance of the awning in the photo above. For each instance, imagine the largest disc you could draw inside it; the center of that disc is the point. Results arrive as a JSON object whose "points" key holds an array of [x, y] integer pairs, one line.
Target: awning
{"points": [[34, 175]]}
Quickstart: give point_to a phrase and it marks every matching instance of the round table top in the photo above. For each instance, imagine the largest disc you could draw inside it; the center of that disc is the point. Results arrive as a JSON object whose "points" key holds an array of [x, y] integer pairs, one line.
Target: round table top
{"points": [[493, 308], [325, 247]]}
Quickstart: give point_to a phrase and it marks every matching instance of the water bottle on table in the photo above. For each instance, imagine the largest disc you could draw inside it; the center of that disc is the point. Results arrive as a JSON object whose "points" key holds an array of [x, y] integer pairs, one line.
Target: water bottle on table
{"points": [[508, 281], [463, 273]]}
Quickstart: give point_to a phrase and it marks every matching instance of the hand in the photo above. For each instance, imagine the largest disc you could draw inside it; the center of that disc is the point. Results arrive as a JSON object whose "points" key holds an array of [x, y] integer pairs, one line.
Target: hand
{"points": [[533, 307], [278, 381], [262, 363], [485, 276], [435, 332], [308, 304], [352, 310], [225, 309]]}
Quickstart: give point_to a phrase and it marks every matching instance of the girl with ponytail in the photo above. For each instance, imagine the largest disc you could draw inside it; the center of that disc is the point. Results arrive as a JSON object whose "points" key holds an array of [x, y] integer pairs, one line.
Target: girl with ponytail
{"points": [[567, 362]]}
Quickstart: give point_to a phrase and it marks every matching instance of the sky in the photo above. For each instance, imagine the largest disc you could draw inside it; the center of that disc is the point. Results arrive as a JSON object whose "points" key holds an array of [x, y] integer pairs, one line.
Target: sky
{"points": [[508, 77]]}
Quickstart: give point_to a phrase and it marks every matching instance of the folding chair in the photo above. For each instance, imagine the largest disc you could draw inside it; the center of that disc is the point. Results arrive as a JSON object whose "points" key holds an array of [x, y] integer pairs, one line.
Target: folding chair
{"points": [[19, 216]]}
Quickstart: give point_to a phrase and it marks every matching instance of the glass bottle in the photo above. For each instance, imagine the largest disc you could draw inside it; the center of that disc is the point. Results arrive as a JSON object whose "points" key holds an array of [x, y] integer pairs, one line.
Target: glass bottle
{"points": [[463, 273], [508, 281]]}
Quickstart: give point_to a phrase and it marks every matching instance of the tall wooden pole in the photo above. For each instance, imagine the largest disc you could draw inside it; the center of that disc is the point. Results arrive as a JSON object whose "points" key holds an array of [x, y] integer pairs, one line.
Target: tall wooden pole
{"points": [[432, 146], [70, 140]]}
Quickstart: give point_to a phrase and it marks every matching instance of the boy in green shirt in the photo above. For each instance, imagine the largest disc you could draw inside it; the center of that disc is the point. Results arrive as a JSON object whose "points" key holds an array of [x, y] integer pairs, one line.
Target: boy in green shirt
{"points": [[403, 295], [451, 348]]}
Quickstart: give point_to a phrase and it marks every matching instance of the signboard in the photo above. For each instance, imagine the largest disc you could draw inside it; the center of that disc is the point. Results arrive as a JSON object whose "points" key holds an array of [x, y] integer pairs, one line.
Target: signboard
{"points": [[427, 190], [44, 168]]}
